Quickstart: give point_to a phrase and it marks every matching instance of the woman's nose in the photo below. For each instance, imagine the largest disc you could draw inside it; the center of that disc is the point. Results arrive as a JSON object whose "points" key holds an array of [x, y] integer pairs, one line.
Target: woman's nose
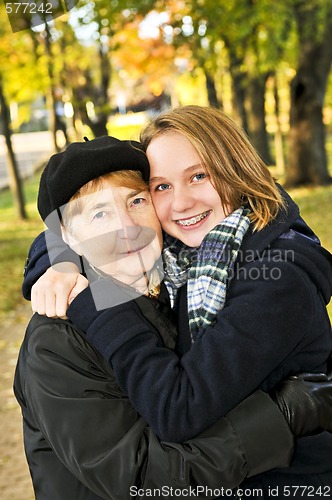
{"points": [[130, 232], [130, 228]]}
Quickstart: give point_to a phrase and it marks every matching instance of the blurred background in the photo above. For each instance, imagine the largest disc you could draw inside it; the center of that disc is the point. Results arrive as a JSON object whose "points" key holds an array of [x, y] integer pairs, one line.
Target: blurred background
{"points": [[108, 67]]}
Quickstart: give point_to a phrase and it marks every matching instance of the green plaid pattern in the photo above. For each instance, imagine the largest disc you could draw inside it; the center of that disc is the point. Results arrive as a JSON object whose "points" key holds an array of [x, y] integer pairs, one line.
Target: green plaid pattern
{"points": [[206, 269]]}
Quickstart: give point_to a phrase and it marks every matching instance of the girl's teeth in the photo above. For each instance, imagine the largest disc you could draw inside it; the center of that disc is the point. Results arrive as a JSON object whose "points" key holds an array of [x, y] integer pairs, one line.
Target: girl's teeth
{"points": [[193, 220]]}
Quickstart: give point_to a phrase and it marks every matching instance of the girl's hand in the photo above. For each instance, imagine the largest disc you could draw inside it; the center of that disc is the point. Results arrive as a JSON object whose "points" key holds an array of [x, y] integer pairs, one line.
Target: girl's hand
{"points": [[54, 291]]}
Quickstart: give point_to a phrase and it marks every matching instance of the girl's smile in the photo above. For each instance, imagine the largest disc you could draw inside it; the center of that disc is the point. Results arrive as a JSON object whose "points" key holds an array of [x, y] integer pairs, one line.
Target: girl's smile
{"points": [[193, 221]]}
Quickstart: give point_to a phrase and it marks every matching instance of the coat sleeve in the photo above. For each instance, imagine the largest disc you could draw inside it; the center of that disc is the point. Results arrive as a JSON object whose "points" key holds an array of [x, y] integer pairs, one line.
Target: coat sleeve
{"points": [[71, 393], [251, 342]]}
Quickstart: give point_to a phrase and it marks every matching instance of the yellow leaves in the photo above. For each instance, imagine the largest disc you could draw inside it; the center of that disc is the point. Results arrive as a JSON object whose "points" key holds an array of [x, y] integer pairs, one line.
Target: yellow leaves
{"points": [[141, 56]]}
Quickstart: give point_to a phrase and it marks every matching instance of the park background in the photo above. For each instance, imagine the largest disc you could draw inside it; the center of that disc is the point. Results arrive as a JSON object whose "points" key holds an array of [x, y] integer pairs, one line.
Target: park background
{"points": [[111, 65]]}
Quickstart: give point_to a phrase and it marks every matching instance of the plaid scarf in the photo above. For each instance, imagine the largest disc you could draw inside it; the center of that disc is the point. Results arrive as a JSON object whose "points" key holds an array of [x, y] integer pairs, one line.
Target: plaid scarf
{"points": [[206, 269]]}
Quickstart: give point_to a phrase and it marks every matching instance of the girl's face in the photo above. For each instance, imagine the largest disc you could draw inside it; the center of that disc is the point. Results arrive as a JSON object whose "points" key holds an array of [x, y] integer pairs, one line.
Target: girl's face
{"points": [[187, 204], [117, 231]]}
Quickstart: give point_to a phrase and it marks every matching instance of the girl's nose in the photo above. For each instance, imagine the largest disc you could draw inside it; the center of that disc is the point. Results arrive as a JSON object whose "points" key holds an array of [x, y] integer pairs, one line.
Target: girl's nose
{"points": [[182, 200]]}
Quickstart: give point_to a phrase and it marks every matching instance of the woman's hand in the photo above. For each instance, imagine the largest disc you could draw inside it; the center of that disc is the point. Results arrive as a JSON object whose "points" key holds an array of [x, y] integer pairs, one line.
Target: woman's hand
{"points": [[305, 400], [54, 291]]}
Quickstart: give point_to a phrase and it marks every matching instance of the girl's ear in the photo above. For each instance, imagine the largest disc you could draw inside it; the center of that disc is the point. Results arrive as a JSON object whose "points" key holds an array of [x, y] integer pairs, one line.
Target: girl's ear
{"points": [[70, 239]]}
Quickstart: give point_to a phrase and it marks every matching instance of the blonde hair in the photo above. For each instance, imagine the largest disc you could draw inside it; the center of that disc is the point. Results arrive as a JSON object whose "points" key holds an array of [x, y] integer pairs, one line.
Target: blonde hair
{"points": [[131, 179], [236, 170]]}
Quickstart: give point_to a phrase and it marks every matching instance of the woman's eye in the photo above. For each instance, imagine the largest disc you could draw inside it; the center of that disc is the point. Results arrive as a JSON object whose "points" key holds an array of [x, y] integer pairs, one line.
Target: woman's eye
{"points": [[138, 201], [200, 176], [99, 215]]}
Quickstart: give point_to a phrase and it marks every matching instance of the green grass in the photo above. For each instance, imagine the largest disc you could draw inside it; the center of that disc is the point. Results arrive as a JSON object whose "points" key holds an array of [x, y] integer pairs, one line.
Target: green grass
{"points": [[15, 239], [127, 126], [316, 209]]}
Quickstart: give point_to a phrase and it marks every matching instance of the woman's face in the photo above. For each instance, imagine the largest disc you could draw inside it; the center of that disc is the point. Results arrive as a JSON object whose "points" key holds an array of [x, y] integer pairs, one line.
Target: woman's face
{"points": [[117, 231], [186, 203]]}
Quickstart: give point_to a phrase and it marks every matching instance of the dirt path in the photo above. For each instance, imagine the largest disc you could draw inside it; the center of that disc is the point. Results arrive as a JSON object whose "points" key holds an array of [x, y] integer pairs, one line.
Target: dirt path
{"points": [[15, 482]]}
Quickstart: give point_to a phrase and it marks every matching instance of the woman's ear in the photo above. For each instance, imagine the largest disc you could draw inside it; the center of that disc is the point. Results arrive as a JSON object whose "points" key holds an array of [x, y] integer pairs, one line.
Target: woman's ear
{"points": [[70, 239]]}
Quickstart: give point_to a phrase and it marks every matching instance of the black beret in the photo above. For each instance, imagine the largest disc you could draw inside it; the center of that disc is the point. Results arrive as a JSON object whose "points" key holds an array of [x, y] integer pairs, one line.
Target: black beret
{"points": [[68, 171]]}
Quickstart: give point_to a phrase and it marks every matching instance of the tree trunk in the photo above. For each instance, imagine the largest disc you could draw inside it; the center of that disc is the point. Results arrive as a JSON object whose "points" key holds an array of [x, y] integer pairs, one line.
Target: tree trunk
{"points": [[13, 171], [51, 100], [238, 95], [307, 159], [255, 112], [99, 124], [213, 99], [278, 141]]}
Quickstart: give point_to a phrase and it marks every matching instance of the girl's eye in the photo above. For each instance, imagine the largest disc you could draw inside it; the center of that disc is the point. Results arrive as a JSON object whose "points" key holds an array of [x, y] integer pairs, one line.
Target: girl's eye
{"points": [[162, 187], [199, 177]]}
